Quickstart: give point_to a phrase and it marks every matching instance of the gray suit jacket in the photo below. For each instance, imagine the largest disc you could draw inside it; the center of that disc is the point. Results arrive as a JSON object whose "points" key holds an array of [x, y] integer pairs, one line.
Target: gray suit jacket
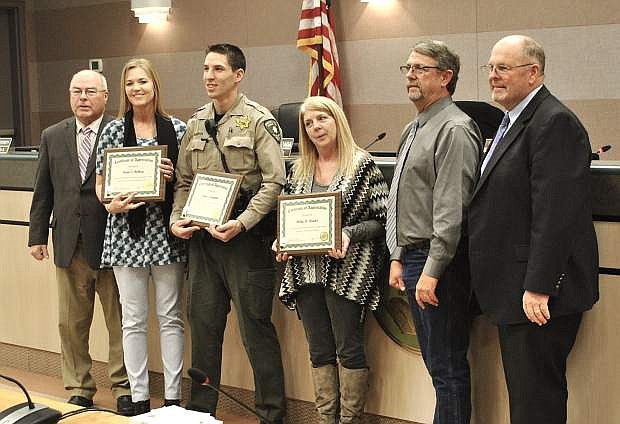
{"points": [[59, 188]]}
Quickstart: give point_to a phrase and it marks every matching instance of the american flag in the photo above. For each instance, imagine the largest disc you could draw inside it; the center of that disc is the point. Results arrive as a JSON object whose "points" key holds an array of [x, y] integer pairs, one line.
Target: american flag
{"points": [[316, 39]]}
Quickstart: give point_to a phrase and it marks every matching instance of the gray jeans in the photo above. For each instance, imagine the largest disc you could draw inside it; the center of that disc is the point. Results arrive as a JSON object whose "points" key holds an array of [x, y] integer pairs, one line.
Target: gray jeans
{"points": [[134, 294]]}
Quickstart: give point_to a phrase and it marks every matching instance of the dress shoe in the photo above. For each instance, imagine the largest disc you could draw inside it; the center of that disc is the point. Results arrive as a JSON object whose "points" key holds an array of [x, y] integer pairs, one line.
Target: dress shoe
{"points": [[80, 401], [142, 407], [124, 405], [172, 402]]}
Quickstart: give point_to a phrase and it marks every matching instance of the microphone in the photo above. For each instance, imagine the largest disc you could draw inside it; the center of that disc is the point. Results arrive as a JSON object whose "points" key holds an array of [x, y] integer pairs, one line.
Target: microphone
{"points": [[376, 139], [28, 412], [602, 149], [200, 377], [211, 128]]}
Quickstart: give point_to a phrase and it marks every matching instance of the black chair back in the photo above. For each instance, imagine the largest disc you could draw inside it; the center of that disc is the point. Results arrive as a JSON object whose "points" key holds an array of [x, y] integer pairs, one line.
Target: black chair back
{"points": [[288, 118], [487, 116]]}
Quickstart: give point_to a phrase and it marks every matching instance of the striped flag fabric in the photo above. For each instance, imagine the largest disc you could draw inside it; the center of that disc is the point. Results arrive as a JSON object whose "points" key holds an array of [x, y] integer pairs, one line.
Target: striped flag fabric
{"points": [[316, 39]]}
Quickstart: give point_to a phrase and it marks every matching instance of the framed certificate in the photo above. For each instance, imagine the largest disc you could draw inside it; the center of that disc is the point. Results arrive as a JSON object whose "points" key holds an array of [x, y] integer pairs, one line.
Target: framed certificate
{"points": [[5, 144], [309, 224], [211, 198], [134, 170]]}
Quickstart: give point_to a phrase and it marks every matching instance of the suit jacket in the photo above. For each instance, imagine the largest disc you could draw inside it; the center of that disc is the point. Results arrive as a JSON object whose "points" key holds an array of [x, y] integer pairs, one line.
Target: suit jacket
{"points": [[530, 218], [59, 188]]}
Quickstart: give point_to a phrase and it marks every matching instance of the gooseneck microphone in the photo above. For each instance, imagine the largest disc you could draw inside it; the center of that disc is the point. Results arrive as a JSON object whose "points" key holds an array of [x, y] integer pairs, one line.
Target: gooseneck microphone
{"points": [[376, 140], [602, 149], [200, 377], [28, 412]]}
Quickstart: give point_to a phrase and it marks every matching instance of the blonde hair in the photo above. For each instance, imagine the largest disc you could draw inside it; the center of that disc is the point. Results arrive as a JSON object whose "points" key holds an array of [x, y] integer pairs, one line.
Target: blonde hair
{"points": [[308, 154], [124, 105]]}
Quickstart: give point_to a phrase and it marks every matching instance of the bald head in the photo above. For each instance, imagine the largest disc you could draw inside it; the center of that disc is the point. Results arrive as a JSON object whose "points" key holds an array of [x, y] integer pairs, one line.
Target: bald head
{"points": [[92, 74], [531, 51], [517, 68], [88, 95]]}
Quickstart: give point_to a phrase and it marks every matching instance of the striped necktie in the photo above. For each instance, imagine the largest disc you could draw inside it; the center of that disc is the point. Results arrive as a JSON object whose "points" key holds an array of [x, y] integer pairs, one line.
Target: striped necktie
{"points": [[390, 227], [498, 137], [86, 148]]}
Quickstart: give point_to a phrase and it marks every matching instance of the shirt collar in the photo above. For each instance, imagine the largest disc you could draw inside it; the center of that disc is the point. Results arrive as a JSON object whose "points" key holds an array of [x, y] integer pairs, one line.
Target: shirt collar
{"points": [[433, 110], [93, 125], [514, 113]]}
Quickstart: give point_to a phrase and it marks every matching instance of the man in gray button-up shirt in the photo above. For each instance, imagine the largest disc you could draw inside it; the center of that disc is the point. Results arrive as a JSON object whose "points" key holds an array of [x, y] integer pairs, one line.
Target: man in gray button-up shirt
{"points": [[432, 185]]}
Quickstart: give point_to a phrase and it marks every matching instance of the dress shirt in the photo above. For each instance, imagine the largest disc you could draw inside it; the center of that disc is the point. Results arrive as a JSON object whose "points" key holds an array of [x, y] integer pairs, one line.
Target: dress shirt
{"points": [[436, 183], [93, 126], [516, 111]]}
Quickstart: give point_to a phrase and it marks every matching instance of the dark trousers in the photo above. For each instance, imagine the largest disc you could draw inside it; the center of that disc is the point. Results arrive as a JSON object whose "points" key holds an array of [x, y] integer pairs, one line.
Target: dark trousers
{"points": [[443, 334], [334, 327], [534, 359], [243, 271]]}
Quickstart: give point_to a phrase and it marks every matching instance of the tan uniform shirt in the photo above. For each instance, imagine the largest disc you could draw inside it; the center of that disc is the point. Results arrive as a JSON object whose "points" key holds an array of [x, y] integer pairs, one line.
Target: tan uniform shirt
{"points": [[249, 137]]}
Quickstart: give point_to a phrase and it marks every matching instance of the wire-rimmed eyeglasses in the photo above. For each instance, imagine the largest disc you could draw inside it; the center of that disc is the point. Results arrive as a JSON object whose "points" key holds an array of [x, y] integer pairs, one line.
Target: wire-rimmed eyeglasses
{"points": [[416, 69], [502, 69], [90, 92]]}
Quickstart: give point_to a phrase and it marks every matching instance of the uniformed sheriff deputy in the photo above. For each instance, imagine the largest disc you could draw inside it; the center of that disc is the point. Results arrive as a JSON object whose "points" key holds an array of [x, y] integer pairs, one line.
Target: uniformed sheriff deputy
{"points": [[232, 261]]}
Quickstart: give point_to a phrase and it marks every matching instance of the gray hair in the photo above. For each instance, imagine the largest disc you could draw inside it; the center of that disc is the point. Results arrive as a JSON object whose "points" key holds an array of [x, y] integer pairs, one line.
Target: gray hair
{"points": [[534, 52], [446, 58], [104, 82]]}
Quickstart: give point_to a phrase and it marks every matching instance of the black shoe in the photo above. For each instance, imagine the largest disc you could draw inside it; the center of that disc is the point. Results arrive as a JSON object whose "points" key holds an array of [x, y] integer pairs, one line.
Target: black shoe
{"points": [[142, 407], [172, 402], [80, 401], [124, 406]]}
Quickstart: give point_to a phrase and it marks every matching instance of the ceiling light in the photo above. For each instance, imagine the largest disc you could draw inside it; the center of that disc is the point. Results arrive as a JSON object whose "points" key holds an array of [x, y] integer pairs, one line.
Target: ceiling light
{"points": [[151, 11]]}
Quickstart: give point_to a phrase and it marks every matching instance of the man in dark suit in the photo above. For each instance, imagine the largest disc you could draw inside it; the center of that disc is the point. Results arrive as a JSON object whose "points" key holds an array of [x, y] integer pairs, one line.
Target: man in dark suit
{"points": [[65, 184], [533, 250]]}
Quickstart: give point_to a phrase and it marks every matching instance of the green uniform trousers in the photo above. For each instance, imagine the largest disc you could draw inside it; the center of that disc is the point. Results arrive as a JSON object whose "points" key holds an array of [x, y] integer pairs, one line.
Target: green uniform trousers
{"points": [[243, 271]]}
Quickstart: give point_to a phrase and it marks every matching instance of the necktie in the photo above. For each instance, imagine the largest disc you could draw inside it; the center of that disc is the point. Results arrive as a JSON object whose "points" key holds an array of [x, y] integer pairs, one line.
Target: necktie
{"points": [[390, 227], [86, 147], [498, 136]]}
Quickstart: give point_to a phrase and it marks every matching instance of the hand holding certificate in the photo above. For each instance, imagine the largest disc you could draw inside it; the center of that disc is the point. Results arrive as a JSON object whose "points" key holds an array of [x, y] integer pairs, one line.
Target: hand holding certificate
{"points": [[211, 198], [309, 224], [134, 170]]}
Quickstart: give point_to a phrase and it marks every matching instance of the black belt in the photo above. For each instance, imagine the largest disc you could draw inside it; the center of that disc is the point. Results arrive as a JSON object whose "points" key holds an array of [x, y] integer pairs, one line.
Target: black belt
{"points": [[417, 245]]}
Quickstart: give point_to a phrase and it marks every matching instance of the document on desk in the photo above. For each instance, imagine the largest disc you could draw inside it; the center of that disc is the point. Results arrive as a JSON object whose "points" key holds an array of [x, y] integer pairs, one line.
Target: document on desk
{"points": [[174, 414]]}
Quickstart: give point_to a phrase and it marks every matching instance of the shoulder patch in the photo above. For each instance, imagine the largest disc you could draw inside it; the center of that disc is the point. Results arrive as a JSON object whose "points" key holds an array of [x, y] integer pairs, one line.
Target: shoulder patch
{"points": [[272, 127]]}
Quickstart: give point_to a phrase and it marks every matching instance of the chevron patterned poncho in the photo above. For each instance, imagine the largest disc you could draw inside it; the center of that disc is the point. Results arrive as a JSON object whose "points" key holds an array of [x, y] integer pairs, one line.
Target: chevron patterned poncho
{"points": [[364, 197]]}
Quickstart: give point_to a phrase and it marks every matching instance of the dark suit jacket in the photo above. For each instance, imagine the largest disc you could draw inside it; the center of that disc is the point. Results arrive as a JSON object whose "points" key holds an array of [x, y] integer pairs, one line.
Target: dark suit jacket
{"points": [[530, 218], [59, 188]]}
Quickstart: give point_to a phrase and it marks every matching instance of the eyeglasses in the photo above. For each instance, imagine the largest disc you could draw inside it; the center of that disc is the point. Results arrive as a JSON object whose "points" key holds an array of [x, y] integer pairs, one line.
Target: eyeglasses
{"points": [[90, 92], [502, 69], [416, 69]]}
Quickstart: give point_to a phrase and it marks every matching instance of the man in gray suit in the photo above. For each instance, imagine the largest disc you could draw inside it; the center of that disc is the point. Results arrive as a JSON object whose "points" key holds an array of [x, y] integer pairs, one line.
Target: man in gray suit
{"points": [[64, 185]]}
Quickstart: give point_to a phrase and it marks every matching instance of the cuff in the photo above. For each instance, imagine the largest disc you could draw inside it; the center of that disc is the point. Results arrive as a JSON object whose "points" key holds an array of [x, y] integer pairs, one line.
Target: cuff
{"points": [[434, 267], [397, 255]]}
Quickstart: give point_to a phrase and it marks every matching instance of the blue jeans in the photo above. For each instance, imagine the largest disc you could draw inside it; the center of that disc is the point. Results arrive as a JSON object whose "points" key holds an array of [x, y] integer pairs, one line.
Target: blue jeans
{"points": [[443, 333]]}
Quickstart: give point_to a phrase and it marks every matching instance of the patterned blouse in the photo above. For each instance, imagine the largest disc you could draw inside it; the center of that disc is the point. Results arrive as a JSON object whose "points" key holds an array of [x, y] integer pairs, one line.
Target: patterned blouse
{"points": [[157, 246], [364, 198]]}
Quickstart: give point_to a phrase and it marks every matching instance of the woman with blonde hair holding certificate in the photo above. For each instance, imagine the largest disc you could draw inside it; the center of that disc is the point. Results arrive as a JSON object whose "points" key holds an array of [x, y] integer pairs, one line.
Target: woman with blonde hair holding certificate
{"points": [[331, 292], [137, 242]]}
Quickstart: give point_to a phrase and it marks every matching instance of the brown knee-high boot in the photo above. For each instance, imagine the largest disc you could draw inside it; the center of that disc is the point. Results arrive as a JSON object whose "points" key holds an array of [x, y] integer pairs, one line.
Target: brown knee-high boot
{"points": [[326, 393], [353, 392]]}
